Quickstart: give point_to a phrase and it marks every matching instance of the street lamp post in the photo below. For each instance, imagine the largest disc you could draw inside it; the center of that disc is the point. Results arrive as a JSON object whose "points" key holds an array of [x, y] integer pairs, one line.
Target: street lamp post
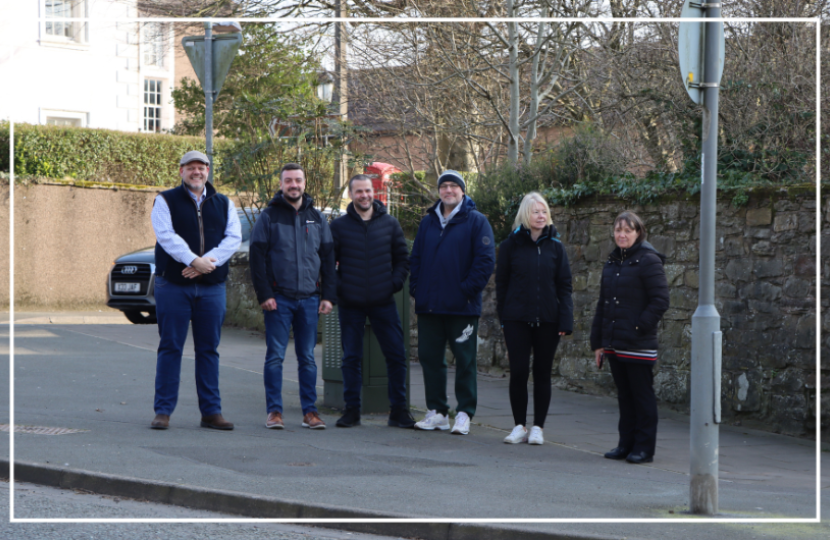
{"points": [[706, 334], [209, 96]]}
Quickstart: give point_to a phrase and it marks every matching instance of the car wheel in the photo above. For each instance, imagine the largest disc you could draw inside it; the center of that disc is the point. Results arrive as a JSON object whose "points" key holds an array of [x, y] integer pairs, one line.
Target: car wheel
{"points": [[139, 317]]}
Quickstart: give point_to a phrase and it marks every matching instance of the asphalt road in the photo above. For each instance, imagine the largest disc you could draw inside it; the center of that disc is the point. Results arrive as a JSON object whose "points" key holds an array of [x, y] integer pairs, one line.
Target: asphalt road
{"points": [[98, 378], [39, 502]]}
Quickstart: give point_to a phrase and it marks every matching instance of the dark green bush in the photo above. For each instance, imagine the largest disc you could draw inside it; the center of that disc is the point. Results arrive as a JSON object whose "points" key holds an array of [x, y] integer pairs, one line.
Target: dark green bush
{"points": [[97, 154], [409, 203], [499, 191], [568, 173]]}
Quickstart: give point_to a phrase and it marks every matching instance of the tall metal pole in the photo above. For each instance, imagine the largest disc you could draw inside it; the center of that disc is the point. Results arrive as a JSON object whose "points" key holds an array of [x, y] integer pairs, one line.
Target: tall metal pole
{"points": [[209, 97], [706, 335]]}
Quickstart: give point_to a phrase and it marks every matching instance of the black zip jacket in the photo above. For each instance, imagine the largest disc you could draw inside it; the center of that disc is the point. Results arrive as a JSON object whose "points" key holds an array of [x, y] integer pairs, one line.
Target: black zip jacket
{"points": [[292, 252], [633, 297], [372, 257], [533, 279]]}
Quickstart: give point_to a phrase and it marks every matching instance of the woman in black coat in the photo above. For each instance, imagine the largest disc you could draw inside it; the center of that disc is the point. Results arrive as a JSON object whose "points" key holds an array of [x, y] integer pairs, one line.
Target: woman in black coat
{"points": [[533, 296], [633, 297]]}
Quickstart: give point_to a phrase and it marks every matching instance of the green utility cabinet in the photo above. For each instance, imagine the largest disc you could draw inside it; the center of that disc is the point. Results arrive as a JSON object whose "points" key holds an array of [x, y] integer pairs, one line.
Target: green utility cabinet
{"points": [[374, 397]]}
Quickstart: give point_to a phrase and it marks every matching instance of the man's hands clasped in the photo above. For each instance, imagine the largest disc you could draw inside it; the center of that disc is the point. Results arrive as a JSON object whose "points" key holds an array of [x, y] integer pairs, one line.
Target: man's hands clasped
{"points": [[200, 266], [324, 309]]}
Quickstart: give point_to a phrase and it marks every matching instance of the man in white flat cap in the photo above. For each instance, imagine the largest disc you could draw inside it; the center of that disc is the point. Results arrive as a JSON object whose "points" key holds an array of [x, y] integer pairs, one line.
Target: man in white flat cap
{"points": [[197, 232]]}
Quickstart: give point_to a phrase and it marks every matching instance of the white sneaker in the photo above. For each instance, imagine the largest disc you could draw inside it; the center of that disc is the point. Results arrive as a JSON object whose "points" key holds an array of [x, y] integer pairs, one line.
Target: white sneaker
{"points": [[518, 435], [462, 424], [535, 436], [433, 420]]}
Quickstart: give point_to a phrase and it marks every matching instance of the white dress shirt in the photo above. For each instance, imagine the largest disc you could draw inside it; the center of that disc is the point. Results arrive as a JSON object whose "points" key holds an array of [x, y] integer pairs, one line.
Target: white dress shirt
{"points": [[176, 247]]}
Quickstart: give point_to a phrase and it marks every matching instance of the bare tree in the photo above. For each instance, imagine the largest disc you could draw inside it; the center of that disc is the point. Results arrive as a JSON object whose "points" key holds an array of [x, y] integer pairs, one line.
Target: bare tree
{"points": [[464, 95]]}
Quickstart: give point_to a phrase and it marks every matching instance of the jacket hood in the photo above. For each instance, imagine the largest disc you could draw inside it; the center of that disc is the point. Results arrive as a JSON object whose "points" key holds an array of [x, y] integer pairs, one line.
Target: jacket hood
{"points": [[279, 199], [548, 232], [623, 254], [378, 209], [467, 204]]}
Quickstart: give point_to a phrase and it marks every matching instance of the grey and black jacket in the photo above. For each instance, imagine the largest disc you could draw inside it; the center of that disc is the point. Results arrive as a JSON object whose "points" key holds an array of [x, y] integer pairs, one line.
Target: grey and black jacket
{"points": [[292, 252]]}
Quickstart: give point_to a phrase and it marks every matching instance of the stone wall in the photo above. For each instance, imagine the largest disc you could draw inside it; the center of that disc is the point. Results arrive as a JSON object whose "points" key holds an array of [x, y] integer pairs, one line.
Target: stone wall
{"points": [[825, 317], [242, 307], [765, 293]]}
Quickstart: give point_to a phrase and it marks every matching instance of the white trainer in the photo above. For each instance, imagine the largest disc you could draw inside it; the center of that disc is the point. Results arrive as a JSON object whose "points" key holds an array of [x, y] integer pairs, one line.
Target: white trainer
{"points": [[518, 435], [462, 424], [536, 436], [433, 420]]}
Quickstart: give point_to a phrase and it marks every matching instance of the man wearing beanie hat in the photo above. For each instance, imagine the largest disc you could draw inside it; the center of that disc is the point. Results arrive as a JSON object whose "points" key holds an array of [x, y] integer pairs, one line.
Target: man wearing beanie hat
{"points": [[451, 262]]}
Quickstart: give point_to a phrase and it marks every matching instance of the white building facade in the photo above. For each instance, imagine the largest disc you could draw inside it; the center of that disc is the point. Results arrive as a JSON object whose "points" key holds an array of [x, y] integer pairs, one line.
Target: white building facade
{"points": [[98, 73]]}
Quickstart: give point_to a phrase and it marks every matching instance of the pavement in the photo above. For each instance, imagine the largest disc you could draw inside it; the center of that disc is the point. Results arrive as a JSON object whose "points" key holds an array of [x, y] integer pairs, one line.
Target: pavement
{"points": [[91, 375]]}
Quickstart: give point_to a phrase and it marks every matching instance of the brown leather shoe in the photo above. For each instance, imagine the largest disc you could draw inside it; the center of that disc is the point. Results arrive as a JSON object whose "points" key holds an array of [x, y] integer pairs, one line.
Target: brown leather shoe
{"points": [[274, 421], [161, 421], [312, 420], [215, 421]]}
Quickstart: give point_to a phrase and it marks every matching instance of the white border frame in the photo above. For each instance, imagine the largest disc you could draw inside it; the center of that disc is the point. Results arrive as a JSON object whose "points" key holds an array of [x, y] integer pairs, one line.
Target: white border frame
{"points": [[816, 21]]}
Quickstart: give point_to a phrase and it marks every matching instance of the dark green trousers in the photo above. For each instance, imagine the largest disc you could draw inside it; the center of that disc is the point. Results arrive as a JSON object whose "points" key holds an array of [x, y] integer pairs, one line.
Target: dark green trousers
{"points": [[434, 333]]}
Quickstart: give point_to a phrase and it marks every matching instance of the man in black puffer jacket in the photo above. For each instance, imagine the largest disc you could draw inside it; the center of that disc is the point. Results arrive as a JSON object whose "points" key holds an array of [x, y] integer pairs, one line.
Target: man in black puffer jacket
{"points": [[372, 265]]}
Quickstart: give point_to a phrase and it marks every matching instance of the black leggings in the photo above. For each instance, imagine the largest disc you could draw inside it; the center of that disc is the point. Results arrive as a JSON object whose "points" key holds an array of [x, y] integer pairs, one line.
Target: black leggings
{"points": [[520, 338]]}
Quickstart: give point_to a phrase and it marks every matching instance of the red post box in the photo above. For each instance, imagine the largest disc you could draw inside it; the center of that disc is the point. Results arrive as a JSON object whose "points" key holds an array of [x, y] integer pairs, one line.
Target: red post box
{"points": [[381, 175]]}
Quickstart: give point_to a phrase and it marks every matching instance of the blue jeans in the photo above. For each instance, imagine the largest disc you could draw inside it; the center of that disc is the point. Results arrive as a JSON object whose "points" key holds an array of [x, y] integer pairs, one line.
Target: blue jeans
{"points": [[176, 307], [302, 315], [386, 326]]}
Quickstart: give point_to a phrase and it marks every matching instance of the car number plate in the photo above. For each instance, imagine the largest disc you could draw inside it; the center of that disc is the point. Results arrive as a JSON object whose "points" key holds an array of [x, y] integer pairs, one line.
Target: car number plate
{"points": [[127, 287]]}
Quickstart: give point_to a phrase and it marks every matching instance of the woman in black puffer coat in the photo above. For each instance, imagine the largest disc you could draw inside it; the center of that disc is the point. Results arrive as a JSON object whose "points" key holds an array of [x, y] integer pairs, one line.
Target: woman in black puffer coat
{"points": [[633, 297], [533, 299]]}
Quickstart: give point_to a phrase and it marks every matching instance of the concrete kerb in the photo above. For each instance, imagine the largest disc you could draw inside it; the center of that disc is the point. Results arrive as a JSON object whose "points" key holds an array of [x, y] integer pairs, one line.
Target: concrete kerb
{"points": [[254, 506]]}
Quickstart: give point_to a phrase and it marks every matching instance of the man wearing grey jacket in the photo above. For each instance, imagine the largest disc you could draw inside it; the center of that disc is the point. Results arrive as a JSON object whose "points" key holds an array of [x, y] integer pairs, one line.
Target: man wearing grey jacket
{"points": [[293, 273]]}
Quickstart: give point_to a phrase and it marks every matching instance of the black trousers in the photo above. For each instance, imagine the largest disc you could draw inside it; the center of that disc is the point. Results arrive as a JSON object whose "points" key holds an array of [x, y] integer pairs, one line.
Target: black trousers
{"points": [[638, 406], [520, 338]]}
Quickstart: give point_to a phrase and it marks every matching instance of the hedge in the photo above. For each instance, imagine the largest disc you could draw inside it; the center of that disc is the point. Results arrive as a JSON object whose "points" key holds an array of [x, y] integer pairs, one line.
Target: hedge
{"points": [[97, 154]]}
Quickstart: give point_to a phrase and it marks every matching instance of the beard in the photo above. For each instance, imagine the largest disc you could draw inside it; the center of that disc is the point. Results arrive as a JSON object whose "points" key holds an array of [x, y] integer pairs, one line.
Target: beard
{"points": [[291, 197], [195, 183], [364, 206]]}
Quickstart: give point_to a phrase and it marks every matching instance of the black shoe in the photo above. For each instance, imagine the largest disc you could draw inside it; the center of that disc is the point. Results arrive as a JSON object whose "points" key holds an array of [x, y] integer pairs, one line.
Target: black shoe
{"points": [[639, 457], [402, 418], [350, 418], [617, 453]]}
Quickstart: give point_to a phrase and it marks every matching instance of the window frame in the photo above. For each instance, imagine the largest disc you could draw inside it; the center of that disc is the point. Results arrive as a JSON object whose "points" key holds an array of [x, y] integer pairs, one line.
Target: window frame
{"points": [[156, 45], [80, 116], [159, 94], [79, 30]]}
